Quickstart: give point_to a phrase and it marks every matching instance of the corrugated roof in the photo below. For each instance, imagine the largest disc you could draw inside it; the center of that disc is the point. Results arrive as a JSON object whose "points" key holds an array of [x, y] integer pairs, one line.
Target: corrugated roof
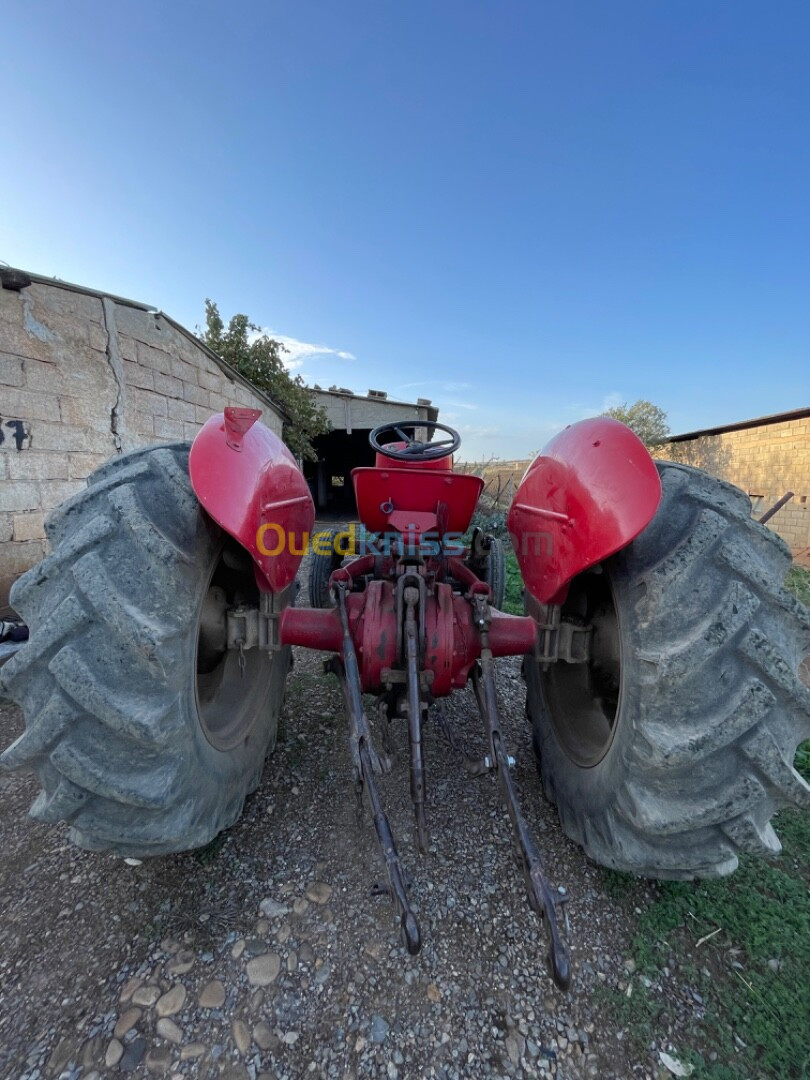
{"points": [[759, 421]]}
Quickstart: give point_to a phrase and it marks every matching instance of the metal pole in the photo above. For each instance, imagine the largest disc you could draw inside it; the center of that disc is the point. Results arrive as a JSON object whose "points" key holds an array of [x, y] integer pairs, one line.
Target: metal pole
{"points": [[777, 506]]}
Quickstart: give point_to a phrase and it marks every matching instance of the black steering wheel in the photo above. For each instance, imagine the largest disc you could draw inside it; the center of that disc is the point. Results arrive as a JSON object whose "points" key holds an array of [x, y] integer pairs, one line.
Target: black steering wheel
{"points": [[415, 450]]}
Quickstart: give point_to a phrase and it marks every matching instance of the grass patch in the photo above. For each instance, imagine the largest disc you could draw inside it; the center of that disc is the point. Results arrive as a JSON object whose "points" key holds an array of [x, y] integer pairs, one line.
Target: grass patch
{"points": [[798, 581], [802, 760], [513, 593], [751, 975], [750, 979]]}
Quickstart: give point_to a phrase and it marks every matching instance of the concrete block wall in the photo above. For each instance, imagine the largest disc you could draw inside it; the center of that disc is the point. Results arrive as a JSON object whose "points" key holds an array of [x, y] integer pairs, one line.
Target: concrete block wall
{"points": [[766, 461], [346, 411], [83, 377]]}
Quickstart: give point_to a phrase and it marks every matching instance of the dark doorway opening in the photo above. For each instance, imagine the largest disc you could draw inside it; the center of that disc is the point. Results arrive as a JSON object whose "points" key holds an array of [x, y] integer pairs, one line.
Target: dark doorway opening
{"points": [[330, 477]]}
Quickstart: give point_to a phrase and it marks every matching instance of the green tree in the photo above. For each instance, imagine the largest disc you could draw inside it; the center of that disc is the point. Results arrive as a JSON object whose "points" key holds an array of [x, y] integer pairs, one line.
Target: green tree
{"points": [[647, 420], [259, 359]]}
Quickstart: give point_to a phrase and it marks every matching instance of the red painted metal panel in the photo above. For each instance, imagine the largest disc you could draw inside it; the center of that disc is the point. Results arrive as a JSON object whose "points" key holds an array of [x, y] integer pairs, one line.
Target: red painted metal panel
{"points": [[452, 643], [452, 497], [587, 495], [382, 461], [376, 633], [250, 484], [313, 628]]}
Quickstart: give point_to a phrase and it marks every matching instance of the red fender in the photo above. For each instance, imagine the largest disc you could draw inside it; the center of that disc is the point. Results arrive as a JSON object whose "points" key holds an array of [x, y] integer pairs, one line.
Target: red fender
{"points": [[246, 478], [587, 495]]}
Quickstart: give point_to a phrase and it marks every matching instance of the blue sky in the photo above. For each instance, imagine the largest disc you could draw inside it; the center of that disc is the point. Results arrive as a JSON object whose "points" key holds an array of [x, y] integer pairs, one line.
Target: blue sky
{"points": [[522, 210]]}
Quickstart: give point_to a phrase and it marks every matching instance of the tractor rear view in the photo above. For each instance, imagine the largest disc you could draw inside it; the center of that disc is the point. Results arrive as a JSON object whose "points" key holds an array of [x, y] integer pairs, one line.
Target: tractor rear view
{"points": [[660, 650]]}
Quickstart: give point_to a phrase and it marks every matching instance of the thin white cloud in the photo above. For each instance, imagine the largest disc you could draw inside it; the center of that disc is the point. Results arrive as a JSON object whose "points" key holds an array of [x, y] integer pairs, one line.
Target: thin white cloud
{"points": [[298, 352], [580, 411]]}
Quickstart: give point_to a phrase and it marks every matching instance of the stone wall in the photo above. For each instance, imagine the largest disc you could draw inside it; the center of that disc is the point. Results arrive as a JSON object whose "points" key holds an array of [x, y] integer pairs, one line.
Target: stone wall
{"points": [[766, 460], [84, 376]]}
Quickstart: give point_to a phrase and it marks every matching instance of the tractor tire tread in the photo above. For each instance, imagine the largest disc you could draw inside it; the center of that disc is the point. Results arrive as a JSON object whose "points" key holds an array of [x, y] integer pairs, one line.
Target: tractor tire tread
{"points": [[495, 575], [717, 709], [320, 570], [102, 674]]}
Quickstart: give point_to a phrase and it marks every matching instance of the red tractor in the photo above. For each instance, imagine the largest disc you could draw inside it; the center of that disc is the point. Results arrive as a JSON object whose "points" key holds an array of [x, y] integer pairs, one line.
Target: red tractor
{"points": [[661, 652]]}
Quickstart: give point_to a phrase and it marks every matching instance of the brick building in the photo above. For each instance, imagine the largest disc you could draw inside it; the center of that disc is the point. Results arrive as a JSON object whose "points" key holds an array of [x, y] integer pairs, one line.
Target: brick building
{"points": [[766, 457], [84, 376]]}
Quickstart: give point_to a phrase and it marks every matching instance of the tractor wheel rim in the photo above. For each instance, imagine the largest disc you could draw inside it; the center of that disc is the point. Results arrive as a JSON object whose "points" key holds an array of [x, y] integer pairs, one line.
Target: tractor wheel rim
{"points": [[584, 700], [229, 689]]}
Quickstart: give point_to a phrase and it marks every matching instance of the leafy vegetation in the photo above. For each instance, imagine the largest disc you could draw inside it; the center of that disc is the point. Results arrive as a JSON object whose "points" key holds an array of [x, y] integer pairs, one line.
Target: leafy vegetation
{"points": [[798, 581], [647, 420], [490, 521], [513, 594], [494, 523], [259, 358]]}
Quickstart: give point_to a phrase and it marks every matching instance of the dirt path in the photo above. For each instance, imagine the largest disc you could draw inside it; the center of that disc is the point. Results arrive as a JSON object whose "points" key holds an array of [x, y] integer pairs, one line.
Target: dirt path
{"points": [[78, 928], [113, 969]]}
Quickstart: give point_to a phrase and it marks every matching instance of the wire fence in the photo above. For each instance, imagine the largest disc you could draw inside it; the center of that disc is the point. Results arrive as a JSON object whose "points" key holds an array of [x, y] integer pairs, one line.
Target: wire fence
{"points": [[501, 479]]}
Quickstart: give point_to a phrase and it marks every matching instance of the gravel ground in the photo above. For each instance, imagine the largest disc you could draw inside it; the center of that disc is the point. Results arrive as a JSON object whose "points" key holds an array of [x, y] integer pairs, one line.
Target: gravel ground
{"points": [[268, 956]]}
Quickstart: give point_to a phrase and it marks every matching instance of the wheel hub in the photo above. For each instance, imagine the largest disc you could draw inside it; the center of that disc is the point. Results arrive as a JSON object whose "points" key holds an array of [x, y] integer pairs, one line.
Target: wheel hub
{"points": [[583, 698], [230, 684]]}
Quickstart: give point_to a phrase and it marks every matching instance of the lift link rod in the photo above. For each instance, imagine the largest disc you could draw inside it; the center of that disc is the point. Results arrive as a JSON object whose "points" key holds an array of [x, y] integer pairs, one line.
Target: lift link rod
{"points": [[411, 598], [367, 763], [541, 898]]}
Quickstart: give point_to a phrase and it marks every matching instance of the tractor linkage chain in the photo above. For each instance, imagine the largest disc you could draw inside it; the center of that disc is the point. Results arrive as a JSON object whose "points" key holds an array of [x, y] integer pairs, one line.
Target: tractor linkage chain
{"points": [[541, 898], [368, 764], [252, 627]]}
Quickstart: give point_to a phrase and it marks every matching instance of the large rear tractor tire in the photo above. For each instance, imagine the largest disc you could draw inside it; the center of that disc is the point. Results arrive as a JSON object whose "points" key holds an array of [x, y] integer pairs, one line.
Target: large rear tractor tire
{"points": [[145, 731], [669, 751]]}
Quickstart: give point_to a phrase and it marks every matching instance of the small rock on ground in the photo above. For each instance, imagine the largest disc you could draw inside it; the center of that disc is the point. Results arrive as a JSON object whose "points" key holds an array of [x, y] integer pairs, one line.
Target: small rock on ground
{"points": [[263, 970], [127, 1021], [172, 1001], [167, 1029], [241, 1036], [213, 995], [146, 995], [115, 1051], [319, 892]]}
